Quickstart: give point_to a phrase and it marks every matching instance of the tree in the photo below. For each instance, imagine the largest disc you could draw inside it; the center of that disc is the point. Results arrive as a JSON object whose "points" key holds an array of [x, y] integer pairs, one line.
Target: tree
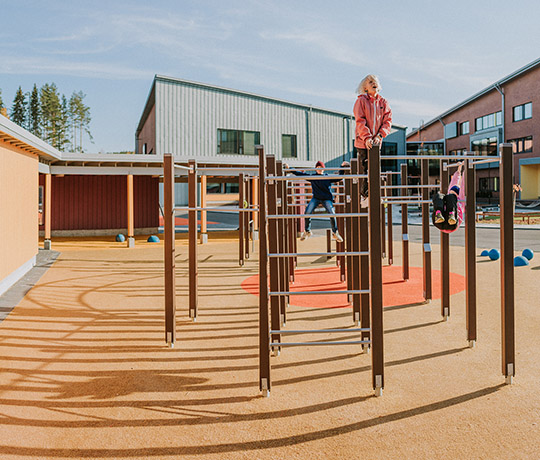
{"points": [[51, 115], [34, 112], [1, 101], [80, 119], [18, 111]]}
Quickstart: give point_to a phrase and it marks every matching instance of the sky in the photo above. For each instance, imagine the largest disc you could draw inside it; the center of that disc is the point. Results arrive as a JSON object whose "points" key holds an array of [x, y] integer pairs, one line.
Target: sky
{"points": [[429, 55]]}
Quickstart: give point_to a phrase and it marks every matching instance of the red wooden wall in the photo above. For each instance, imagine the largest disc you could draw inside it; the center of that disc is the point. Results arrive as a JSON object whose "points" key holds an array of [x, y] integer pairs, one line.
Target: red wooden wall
{"points": [[100, 202]]}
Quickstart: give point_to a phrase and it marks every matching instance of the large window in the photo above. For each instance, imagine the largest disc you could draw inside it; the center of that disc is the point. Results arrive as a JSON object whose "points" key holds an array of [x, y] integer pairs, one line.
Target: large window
{"points": [[522, 112], [464, 128], [489, 121], [288, 145], [235, 142], [522, 145], [486, 146]]}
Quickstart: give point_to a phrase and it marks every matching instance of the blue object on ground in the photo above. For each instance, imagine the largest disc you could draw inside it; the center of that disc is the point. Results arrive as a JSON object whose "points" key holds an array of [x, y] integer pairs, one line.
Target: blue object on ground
{"points": [[153, 239], [485, 252], [528, 254], [520, 261], [494, 254], [120, 238]]}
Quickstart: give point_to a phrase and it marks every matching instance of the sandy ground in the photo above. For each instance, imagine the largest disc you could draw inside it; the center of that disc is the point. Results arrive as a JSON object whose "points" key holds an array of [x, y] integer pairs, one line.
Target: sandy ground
{"points": [[86, 373]]}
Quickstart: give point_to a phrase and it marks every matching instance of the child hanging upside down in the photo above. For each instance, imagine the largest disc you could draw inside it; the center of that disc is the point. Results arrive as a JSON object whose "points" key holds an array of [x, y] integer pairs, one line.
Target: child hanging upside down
{"points": [[448, 210]]}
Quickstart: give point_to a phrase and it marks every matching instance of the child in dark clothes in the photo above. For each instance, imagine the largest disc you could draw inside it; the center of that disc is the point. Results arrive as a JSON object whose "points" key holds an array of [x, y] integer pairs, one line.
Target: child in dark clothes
{"points": [[448, 210]]}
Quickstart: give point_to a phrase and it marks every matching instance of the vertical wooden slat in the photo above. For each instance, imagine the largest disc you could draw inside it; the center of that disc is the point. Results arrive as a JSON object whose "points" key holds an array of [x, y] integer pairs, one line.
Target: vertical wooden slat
{"points": [[47, 203], [241, 225], [130, 225], [470, 251], [390, 235], [264, 326], [204, 214], [169, 249], [404, 224], [383, 219], [192, 238], [507, 263], [364, 264], [355, 208], [445, 254], [376, 297], [426, 245], [282, 272]]}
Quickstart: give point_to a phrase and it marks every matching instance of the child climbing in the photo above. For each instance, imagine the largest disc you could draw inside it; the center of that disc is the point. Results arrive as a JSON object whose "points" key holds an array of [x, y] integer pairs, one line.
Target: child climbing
{"points": [[448, 210]]}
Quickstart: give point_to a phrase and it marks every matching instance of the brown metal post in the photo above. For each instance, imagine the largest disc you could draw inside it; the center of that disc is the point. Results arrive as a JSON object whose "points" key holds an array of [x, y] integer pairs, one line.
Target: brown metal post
{"points": [[273, 247], [364, 265], [507, 263], [192, 238], [426, 245], [241, 226], [281, 229], [383, 219], [247, 232], [130, 223], [348, 236], [264, 326], [291, 240], [204, 220], [355, 208], [340, 247], [390, 236], [47, 205], [169, 249], [470, 251], [445, 254], [404, 225], [376, 297], [328, 243]]}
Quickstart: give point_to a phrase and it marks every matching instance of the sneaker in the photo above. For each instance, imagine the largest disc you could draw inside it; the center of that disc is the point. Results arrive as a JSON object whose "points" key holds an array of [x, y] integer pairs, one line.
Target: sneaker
{"points": [[337, 237], [305, 235], [439, 218], [364, 202], [452, 218]]}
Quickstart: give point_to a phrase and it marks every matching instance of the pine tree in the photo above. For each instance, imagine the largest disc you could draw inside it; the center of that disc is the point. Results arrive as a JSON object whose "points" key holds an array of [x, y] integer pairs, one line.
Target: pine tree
{"points": [[80, 120], [34, 112], [18, 111], [1, 101], [51, 114]]}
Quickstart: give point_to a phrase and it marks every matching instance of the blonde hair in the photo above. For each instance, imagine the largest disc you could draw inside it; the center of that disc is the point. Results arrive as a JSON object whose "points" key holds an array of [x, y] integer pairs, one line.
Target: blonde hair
{"points": [[367, 79]]}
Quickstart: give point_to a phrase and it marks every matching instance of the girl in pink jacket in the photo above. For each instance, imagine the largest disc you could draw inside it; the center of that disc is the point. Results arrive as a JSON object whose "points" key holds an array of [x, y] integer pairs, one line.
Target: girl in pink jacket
{"points": [[373, 120], [449, 209]]}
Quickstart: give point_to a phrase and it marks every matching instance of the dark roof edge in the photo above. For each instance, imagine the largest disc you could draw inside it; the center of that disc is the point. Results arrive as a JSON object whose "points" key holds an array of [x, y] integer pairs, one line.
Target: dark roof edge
{"points": [[150, 101], [490, 88]]}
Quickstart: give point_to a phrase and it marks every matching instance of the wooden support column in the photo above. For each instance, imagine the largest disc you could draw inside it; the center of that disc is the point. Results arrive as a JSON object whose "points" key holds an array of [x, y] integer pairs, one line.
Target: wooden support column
{"points": [[383, 219], [255, 214], [169, 249], [47, 205], [130, 224], [264, 326], [364, 264], [445, 253], [404, 224], [282, 229], [507, 263], [355, 236], [241, 223], [192, 238], [470, 251], [204, 219], [390, 236], [376, 291], [426, 245]]}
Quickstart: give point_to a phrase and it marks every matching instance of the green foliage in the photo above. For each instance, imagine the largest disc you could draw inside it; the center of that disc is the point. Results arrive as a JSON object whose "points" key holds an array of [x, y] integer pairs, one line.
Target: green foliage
{"points": [[1, 101], [18, 110], [79, 115], [34, 112]]}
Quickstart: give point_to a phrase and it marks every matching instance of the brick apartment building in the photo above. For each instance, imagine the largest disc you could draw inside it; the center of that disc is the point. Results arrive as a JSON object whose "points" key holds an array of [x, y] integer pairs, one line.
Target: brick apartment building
{"points": [[502, 112]]}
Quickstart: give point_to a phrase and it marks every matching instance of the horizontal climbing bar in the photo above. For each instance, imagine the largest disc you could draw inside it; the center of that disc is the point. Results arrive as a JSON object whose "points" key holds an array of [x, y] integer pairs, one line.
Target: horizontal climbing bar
{"points": [[317, 216], [220, 209], [405, 201], [316, 331], [312, 254], [345, 291], [298, 344], [318, 177], [433, 157], [410, 186]]}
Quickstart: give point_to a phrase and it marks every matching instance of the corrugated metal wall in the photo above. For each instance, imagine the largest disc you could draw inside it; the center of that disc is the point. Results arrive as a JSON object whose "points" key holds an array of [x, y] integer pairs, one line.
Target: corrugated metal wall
{"points": [[100, 202], [188, 117]]}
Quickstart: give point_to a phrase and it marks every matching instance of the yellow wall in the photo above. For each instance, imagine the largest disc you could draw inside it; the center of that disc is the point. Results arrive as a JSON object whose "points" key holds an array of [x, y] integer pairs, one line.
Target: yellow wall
{"points": [[530, 182], [18, 208]]}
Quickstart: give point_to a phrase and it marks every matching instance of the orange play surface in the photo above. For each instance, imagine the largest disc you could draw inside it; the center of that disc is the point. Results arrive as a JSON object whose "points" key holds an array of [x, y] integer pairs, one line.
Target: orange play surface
{"points": [[395, 290]]}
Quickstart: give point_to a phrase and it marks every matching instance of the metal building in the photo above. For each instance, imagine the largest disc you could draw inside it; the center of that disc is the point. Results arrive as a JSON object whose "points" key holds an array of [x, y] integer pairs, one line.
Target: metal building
{"points": [[216, 125]]}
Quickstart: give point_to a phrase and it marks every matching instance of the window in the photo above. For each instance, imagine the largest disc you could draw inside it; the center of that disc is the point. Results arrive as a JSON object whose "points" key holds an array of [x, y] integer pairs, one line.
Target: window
{"points": [[489, 121], [288, 145], [464, 128], [522, 112], [458, 152], [389, 148], [235, 142], [487, 146], [487, 185], [522, 145]]}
